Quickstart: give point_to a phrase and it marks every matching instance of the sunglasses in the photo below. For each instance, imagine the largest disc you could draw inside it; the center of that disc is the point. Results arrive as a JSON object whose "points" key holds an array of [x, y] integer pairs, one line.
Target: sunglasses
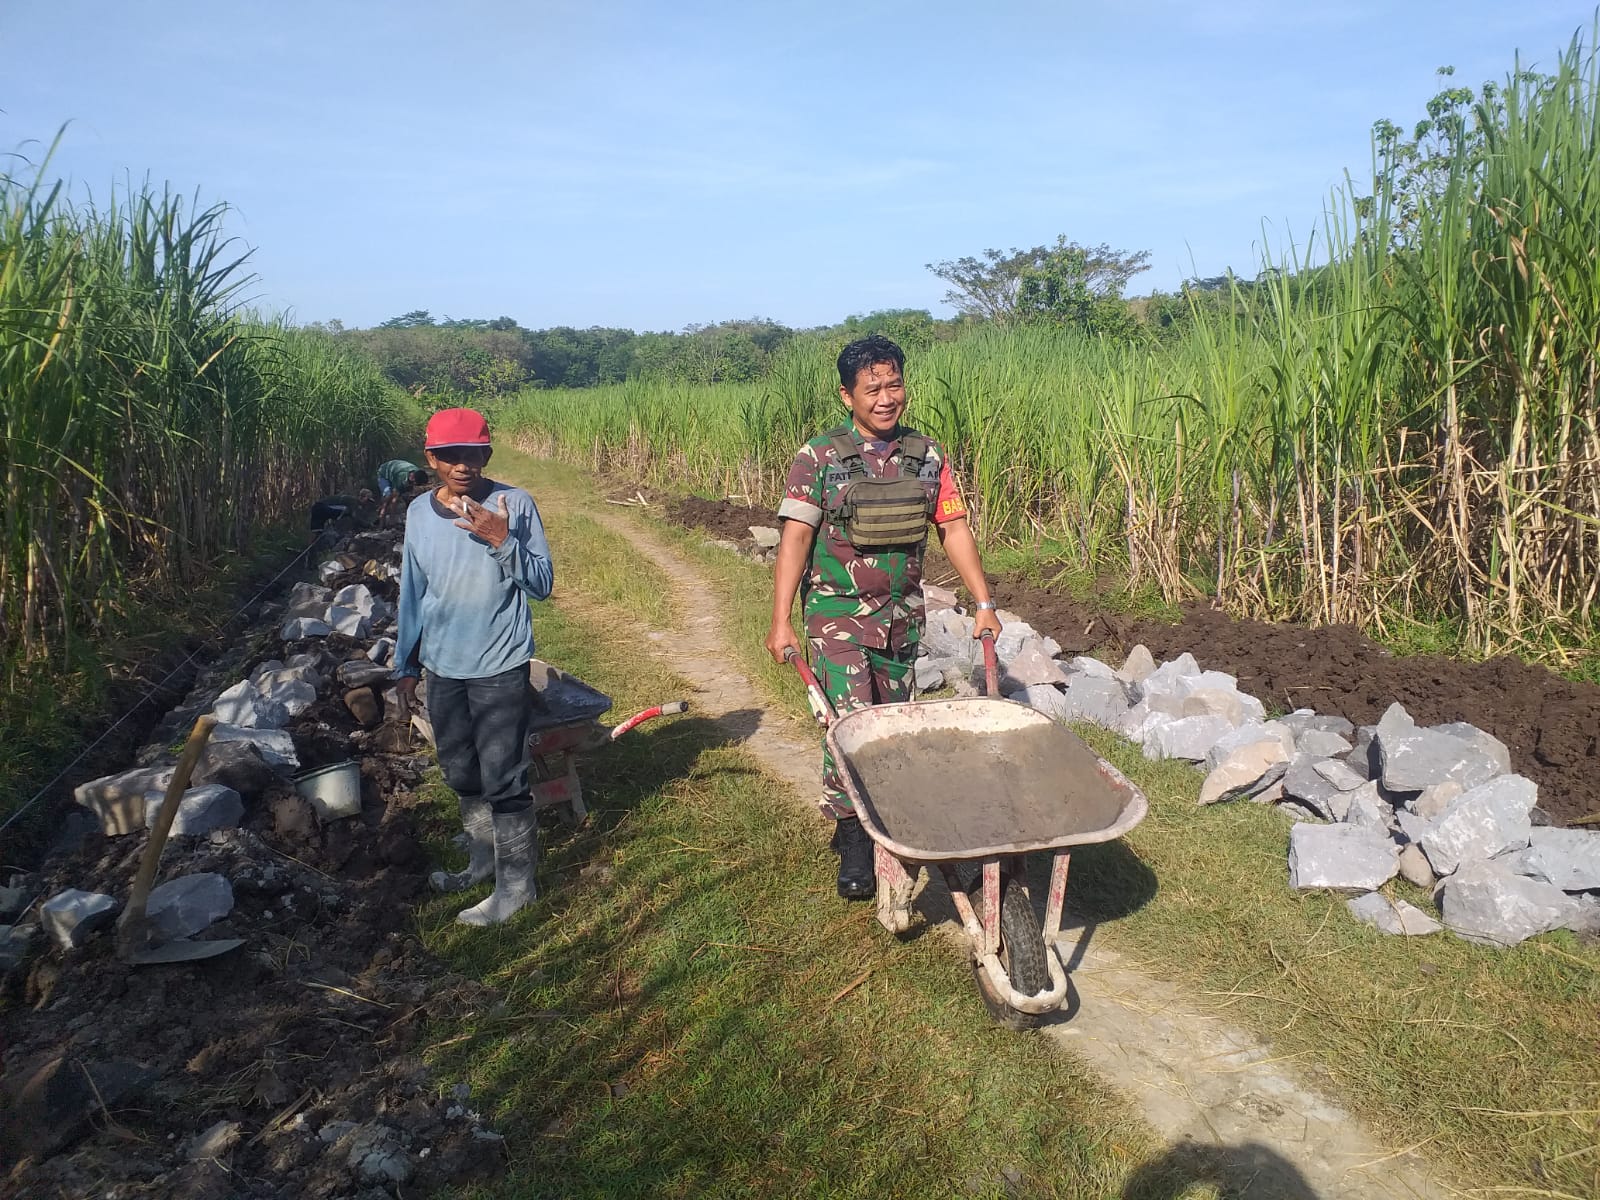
{"points": [[474, 456]]}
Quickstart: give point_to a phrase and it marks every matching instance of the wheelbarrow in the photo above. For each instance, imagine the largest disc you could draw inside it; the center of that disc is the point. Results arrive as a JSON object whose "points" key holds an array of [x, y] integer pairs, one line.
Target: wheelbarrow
{"points": [[979, 780], [565, 725]]}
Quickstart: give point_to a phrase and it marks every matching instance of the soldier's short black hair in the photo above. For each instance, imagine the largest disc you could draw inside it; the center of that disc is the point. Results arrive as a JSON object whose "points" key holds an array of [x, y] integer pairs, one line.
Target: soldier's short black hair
{"points": [[417, 478], [868, 352]]}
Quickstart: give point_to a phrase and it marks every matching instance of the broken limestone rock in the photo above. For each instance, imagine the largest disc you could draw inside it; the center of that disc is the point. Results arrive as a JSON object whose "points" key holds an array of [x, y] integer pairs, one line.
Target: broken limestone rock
{"points": [[928, 675], [1241, 770], [361, 672], [1027, 666], [243, 705], [1322, 744], [118, 800], [15, 942], [236, 765], [1303, 783], [1430, 803], [1413, 758], [765, 536], [1345, 858], [202, 809], [1247, 735], [1304, 720], [382, 652], [1566, 858], [1392, 916], [378, 1154], [307, 600], [948, 634], [1186, 737], [304, 627], [1363, 756], [363, 706], [1093, 667], [275, 746], [1414, 868], [1102, 702], [1043, 698], [1339, 773], [45, 1107], [348, 621], [182, 907], [72, 916], [1140, 665], [359, 597], [1366, 806], [1486, 903], [1479, 824], [936, 597], [1492, 746]]}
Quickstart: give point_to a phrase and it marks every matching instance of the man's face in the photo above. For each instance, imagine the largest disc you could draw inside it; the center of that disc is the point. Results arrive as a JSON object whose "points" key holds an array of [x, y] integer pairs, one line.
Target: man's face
{"points": [[459, 467], [877, 399]]}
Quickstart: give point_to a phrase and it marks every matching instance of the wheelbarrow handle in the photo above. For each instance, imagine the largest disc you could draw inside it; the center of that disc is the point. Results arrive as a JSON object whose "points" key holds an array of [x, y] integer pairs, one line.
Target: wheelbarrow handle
{"points": [[815, 696], [671, 708], [991, 665]]}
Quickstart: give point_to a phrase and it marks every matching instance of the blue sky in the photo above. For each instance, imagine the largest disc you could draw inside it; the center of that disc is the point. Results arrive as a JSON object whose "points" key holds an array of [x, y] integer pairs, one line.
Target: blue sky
{"points": [[649, 165]]}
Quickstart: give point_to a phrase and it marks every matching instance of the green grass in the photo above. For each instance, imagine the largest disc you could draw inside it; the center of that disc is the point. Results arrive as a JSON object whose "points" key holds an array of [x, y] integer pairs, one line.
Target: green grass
{"points": [[678, 1017], [1488, 1056]]}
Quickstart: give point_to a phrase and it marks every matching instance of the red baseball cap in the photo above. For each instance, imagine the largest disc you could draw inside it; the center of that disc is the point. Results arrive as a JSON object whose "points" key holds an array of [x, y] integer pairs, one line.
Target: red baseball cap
{"points": [[456, 427]]}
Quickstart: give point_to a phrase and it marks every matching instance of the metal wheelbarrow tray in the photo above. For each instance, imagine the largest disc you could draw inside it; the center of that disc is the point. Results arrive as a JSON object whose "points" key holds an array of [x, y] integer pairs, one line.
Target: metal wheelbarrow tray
{"points": [[943, 782]]}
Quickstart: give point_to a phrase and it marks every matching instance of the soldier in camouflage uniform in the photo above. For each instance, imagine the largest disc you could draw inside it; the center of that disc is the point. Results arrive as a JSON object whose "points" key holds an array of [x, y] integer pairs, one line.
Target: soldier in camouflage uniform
{"points": [[863, 608]]}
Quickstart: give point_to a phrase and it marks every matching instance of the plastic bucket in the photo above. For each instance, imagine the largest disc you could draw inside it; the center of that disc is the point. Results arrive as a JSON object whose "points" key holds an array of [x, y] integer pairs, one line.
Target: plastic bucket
{"points": [[334, 791]]}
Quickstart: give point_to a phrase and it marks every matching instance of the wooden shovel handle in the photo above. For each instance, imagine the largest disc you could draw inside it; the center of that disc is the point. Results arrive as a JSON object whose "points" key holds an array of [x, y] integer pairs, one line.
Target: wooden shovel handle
{"points": [[192, 749]]}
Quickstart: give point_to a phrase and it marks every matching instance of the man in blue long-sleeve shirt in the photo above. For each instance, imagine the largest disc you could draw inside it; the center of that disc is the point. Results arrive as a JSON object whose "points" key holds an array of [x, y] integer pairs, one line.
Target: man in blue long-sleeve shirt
{"points": [[475, 551]]}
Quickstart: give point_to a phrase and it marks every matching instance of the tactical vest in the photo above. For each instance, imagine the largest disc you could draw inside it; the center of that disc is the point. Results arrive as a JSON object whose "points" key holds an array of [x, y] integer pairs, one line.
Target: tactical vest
{"points": [[877, 512]]}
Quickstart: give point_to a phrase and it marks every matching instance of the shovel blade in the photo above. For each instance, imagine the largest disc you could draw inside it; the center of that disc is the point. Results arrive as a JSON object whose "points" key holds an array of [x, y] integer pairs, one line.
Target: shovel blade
{"points": [[182, 950]]}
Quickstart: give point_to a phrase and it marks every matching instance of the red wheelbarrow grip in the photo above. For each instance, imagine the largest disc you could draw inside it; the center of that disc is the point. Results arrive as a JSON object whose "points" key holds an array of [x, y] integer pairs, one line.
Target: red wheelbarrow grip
{"points": [[815, 696], [671, 708], [991, 665]]}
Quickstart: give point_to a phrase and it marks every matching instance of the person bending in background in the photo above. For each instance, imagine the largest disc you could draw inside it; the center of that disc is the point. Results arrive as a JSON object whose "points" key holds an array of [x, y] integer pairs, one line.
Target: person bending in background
{"points": [[860, 568], [397, 479], [475, 551]]}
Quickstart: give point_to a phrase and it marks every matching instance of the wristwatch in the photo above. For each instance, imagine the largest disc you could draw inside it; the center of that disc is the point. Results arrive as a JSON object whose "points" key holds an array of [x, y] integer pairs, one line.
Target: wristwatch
{"points": [[985, 606]]}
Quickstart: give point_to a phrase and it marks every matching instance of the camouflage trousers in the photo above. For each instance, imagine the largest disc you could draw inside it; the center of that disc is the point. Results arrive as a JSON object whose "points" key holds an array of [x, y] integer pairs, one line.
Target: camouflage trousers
{"points": [[855, 677]]}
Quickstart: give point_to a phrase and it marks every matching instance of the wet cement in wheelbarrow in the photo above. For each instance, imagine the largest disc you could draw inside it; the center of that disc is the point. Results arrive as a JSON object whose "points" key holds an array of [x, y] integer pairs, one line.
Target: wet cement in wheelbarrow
{"points": [[956, 790]]}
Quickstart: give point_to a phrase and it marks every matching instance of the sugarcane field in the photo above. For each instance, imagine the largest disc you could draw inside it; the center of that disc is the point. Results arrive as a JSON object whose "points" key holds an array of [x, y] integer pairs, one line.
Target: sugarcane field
{"points": [[1069, 722]]}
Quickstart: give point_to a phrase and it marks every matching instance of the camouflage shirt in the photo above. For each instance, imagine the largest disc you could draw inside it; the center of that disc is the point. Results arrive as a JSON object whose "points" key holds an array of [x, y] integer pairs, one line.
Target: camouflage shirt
{"points": [[871, 599]]}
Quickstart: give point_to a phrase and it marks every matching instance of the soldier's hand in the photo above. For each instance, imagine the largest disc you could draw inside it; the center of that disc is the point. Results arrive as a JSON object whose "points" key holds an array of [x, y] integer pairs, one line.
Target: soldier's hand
{"points": [[985, 620], [781, 638]]}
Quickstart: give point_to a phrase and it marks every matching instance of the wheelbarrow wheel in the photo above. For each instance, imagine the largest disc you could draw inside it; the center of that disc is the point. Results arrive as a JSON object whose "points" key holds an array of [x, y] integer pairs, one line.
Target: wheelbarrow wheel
{"points": [[1022, 954]]}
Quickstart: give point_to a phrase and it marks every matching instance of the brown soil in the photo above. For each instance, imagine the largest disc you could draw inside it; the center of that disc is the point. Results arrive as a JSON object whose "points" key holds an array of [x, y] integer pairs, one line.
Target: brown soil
{"points": [[308, 1035], [1551, 725], [722, 518]]}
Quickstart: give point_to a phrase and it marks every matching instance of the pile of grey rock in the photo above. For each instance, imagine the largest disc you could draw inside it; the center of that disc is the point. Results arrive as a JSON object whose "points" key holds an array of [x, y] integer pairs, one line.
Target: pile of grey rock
{"points": [[250, 750], [1438, 806]]}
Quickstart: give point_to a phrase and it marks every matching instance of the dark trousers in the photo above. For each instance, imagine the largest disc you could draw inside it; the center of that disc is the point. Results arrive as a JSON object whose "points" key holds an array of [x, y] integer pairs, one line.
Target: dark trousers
{"points": [[480, 729]]}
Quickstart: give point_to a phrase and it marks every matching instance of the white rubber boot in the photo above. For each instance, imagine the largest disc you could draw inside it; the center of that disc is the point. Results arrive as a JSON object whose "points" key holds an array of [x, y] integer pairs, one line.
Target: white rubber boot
{"points": [[516, 850], [477, 826]]}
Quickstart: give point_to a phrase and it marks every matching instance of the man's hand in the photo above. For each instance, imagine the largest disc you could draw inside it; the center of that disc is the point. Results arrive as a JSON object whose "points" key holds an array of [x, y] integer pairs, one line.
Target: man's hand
{"points": [[781, 638], [406, 685], [493, 527], [985, 620]]}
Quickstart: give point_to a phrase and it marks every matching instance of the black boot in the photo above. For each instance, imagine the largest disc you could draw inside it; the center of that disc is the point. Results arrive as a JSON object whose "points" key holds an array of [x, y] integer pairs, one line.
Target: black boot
{"points": [[858, 879]]}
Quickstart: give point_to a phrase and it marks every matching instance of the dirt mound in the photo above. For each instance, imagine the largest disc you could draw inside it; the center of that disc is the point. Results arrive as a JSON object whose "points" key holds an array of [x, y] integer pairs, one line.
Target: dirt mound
{"points": [[723, 518], [1550, 724]]}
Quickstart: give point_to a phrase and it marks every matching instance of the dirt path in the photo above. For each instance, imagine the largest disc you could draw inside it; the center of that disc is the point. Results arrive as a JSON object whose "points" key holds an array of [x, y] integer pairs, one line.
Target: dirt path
{"points": [[1199, 1082]]}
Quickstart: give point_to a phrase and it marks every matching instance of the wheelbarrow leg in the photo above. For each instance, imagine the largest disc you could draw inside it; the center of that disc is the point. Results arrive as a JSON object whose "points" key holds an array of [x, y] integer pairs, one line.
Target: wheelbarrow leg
{"points": [[894, 890]]}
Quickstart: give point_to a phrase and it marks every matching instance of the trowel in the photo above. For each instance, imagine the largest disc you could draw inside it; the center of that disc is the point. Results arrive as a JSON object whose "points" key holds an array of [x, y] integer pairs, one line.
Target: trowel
{"points": [[138, 940]]}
